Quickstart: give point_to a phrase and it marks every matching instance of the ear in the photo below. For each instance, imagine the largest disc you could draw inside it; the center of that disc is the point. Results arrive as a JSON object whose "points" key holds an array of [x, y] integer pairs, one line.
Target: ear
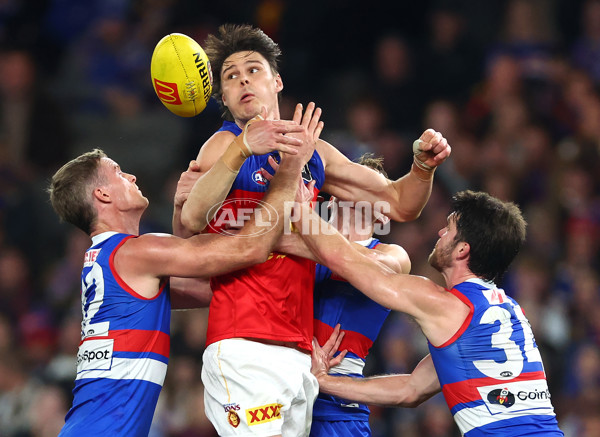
{"points": [[278, 83], [223, 99], [102, 195], [463, 250]]}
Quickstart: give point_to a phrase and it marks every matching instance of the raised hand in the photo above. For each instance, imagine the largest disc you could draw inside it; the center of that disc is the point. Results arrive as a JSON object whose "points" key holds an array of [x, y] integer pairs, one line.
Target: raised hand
{"points": [[261, 136], [430, 150], [322, 356], [312, 125], [186, 181]]}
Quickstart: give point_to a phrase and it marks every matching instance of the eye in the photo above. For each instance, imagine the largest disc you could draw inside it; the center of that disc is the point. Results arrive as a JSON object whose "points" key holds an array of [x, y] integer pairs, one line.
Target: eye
{"points": [[254, 70], [232, 76]]}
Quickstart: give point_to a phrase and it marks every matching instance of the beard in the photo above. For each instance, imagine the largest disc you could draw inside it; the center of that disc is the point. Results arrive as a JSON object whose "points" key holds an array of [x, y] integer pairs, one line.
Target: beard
{"points": [[440, 258]]}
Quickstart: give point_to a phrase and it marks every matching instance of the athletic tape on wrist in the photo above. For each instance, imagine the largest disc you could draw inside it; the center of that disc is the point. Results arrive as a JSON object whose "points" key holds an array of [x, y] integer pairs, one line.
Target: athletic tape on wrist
{"points": [[244, 140], [416, 152]]}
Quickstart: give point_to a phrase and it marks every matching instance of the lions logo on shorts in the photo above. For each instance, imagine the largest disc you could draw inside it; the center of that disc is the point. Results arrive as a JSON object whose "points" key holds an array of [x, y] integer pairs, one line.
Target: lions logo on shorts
{"points": [[233, 418]]}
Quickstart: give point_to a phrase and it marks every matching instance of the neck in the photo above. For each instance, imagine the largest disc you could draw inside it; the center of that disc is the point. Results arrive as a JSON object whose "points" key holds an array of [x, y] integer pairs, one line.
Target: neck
{"points": [[456, 275], [121, 224]]}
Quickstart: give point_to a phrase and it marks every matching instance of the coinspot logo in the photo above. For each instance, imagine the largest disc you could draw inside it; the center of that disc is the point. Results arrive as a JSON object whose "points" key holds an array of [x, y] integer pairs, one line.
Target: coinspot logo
{"points": [[234, 214]]}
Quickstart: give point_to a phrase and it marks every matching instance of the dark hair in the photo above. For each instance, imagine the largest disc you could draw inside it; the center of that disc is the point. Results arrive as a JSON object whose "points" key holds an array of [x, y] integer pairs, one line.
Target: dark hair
{"points": [[494, 229], [70, 190], [371, 161], [234, 38]]}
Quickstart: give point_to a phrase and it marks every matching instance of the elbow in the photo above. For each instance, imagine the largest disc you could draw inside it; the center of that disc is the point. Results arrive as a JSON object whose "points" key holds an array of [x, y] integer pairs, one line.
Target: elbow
{"points": [[188, 221], [406, 216], [411, 403], [256, 253], [333, 260], [407, 400]]}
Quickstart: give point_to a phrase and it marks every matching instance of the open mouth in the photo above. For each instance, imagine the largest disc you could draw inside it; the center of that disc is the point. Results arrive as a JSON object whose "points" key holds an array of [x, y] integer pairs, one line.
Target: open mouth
{"points": [[246, 97]]}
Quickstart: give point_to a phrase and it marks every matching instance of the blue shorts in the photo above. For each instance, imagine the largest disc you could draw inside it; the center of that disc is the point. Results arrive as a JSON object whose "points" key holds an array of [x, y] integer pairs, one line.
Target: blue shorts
{"points": [[340, 428]]}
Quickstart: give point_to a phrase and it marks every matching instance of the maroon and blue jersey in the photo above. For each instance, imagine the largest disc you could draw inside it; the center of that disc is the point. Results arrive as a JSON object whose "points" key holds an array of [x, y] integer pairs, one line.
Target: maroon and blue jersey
{"points": [[124, 350], [361, 318], [272, 300], [491, 371]]}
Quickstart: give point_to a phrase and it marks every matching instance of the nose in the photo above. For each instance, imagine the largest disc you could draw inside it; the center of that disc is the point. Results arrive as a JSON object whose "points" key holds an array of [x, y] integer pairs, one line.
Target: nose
{"points": [[131, 178]]}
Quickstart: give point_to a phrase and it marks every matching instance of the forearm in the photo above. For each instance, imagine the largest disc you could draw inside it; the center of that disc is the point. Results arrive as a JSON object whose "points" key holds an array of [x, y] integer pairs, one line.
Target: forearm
{"points": [[279, 199], [292, 244], [413, 189], [389, 390], [399, 390], [210, 190], [322, 239], [178, 228]]}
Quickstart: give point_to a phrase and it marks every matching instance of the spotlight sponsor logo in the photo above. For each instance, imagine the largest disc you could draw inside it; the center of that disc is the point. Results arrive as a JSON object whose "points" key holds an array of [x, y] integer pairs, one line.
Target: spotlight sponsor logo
{"points": [[95, 355]]}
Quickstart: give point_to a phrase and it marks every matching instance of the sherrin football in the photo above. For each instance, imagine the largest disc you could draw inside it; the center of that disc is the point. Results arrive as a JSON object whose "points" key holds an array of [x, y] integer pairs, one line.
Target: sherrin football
{"points": [[181, 75]]}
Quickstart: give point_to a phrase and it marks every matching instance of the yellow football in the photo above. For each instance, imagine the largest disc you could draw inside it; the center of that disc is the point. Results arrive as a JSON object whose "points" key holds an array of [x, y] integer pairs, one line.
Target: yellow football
{"points": [[181, 75]]}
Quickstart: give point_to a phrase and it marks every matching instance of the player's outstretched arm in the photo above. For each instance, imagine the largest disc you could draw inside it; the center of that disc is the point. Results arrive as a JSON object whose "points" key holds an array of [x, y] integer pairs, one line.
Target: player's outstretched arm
{"points": [[406, 196], [400, 390], [390, 255], [432, 307], [144, 261], [220, 160]]}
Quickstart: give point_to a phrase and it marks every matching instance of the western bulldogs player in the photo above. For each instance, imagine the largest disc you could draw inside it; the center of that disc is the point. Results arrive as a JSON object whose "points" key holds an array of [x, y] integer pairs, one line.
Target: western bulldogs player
{"points": [[338, 302], [483, 355], [125, 299]]}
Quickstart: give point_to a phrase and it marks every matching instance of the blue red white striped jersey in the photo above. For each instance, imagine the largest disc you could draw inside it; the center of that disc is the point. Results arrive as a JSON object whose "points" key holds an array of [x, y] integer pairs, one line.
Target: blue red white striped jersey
{"points": [[491, 371], [361, 318], [124, 350], [272, 300]]}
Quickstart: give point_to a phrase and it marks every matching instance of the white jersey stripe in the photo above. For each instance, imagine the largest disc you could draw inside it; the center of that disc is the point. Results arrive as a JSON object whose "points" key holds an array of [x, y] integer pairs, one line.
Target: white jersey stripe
{"points": [[470, 418], [145, 369], [348, 366]]}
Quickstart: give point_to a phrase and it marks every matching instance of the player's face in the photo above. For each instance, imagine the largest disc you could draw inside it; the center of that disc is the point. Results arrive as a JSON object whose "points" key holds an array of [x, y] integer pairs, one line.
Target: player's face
{"points": [[248, 84], [441, 256], [124, 192]]}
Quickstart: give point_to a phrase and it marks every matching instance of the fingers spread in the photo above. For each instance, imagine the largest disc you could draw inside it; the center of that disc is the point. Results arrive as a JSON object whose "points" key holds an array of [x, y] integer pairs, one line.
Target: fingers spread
{"points": [[298, 113], [308, 114]]}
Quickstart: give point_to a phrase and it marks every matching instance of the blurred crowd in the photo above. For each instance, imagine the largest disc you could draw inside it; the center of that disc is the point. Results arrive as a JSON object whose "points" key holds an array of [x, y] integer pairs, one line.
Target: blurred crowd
{"points": [[514, 85]]}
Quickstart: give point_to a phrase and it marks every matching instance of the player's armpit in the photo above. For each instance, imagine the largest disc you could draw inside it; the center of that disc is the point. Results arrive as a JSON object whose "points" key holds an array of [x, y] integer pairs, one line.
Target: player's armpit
{"points": [[188, 293]]}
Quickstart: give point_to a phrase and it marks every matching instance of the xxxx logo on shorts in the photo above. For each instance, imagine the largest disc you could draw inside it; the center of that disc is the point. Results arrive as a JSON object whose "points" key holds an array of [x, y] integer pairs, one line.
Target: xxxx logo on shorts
{"points": [[264, 414]]}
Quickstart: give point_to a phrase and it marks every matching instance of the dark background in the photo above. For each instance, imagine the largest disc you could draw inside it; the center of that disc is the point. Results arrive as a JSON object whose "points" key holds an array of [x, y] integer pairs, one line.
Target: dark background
{"points": [[513, 85]]}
